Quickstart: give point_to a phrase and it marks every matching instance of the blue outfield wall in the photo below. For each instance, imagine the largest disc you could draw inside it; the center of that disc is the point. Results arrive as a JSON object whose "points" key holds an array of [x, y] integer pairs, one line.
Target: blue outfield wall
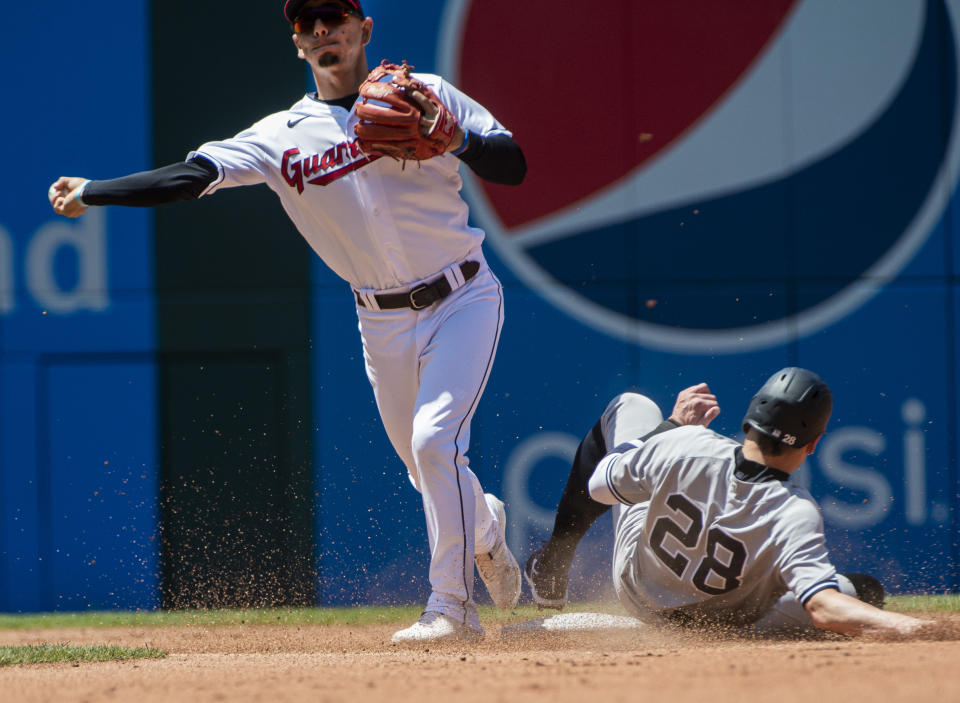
{"points": [[786, 223], [800, 210], [78, 461]]}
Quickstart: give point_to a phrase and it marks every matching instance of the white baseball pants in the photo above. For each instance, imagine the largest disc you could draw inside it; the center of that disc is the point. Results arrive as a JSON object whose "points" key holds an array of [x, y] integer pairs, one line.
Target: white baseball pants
{"points": [[428, 369]]}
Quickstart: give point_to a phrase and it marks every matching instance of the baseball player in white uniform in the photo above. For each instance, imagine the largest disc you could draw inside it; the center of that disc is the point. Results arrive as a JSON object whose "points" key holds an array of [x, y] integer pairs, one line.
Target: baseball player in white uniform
{"points": [[708, 531], [430, 310]]}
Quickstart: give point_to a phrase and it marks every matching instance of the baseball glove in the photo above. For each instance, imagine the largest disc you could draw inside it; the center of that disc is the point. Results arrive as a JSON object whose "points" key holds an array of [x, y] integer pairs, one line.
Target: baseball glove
{"points": [[390, 117]]}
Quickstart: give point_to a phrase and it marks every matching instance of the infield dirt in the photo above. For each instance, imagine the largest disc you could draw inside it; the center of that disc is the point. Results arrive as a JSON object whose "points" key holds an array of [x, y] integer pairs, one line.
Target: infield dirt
{"points": [[324, 664]]}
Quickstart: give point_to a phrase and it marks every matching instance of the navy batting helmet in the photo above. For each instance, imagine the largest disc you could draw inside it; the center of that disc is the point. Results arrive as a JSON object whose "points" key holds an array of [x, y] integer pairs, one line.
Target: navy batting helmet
{"points": [[793, 406]]}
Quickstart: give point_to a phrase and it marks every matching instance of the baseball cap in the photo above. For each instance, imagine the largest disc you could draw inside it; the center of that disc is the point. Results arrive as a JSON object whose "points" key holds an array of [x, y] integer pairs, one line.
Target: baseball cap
{"points": [[291, 8]]}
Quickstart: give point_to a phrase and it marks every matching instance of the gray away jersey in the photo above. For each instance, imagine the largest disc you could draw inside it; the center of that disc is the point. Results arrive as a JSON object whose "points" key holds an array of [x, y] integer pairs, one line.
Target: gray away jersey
{"points": [[698, 541]]}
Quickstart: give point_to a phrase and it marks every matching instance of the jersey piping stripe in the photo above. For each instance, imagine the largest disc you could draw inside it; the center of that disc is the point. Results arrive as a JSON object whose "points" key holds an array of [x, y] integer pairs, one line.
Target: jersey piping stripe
{"points": [[816, 588], [220, 173], [613, 491], [456, 441], [341, 172]]}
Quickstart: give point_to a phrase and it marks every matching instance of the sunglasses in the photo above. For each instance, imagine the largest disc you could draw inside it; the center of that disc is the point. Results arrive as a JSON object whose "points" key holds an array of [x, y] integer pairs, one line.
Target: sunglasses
{"points": [[331, 16]]}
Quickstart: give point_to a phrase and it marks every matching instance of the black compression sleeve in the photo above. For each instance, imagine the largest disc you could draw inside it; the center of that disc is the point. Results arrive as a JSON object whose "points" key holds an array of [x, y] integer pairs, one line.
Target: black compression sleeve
{"points": [[577, 511], [169, 184], [496, 158], [667, 424]]}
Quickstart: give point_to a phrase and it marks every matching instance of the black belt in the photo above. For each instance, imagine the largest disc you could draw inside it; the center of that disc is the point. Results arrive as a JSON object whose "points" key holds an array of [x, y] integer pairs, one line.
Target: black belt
{"points": [[424, 295]]}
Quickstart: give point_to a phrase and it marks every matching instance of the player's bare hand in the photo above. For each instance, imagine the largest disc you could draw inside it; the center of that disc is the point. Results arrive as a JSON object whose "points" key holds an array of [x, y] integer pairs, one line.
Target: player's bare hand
{"points": [[63, 196], [899, 627], [695, 405], [428, 117], [915, 626]]}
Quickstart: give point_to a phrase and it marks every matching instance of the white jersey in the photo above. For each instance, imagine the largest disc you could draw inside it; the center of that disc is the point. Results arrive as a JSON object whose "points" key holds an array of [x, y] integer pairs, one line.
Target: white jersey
{"points": [[378, 223], [700, 542]]}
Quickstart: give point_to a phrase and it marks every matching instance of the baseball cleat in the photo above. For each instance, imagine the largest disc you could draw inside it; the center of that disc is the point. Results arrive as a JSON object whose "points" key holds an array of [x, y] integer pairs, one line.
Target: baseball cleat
{"points": [[498, 569], [437, 627], [548, 586]]}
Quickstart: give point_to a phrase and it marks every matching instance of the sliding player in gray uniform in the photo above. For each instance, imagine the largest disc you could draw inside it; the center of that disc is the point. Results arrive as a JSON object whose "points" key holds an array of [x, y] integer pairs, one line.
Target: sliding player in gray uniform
{"points": [[429, 308], [709, 531]]}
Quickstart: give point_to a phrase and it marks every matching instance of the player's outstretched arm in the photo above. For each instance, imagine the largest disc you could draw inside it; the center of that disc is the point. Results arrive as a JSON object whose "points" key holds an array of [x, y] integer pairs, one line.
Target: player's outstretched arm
{"points": [[63, 196], [835, 611], [177, 182]]}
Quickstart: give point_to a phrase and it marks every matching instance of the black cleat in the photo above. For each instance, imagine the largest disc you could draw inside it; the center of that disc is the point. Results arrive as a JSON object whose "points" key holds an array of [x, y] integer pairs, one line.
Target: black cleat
{"points": [[869, 590], [548, 586]]}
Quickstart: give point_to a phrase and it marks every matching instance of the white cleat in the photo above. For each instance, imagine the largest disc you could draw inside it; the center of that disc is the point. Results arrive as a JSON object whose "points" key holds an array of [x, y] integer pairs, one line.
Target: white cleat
{"points": [[498, 569], [437, 627]]}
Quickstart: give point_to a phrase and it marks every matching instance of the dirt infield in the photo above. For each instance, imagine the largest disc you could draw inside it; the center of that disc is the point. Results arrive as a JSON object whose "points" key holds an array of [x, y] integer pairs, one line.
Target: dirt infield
{"points": [[322, 663]]}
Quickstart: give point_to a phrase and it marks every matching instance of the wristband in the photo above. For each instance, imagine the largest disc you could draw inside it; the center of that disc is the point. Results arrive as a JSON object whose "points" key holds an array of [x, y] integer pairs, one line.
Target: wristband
{"points": [[463, 147], [78, 196]]}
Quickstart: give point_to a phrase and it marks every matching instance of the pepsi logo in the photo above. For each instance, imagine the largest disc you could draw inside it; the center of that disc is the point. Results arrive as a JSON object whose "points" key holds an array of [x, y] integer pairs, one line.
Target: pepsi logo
{"points": [[713, 176]]}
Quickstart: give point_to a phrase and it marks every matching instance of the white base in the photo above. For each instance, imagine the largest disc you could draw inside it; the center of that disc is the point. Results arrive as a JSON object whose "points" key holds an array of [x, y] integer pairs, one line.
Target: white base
{"points": [[571, 622]]}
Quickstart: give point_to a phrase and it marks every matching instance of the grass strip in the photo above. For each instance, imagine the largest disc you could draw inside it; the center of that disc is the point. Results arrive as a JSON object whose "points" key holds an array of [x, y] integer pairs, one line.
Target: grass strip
{"points": [[251, 616], [948, 603], [371, 615], [359, 616], [59, 653]]}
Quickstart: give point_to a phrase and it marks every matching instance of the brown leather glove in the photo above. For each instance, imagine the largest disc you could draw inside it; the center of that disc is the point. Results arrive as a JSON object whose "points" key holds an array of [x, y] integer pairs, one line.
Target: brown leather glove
{"points": [[392, 121]]}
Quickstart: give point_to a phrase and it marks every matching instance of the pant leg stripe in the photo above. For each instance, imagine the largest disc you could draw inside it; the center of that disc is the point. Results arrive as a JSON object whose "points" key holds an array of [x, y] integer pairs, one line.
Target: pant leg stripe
{"points": [[466, 419]]}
